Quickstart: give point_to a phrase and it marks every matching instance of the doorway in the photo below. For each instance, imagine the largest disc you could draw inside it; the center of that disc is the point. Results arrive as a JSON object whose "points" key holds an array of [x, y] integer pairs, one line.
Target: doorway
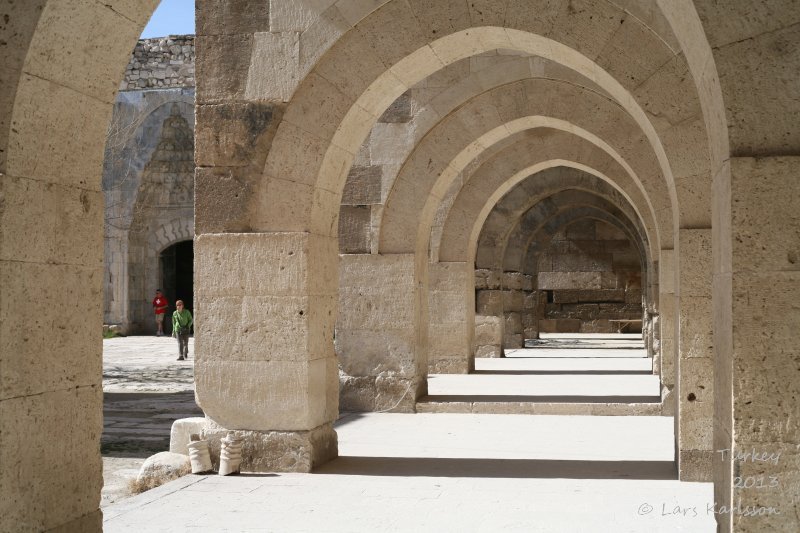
{"points": [[177, 276]]}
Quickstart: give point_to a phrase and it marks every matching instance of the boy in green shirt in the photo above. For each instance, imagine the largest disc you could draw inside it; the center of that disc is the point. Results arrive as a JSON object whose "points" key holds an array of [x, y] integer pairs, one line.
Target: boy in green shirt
{"points": [[181, 327]]}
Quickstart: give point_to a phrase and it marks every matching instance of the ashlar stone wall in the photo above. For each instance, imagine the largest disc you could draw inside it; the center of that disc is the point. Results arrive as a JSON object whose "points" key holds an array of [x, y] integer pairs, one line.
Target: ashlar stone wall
{"points": [[590, 274]]}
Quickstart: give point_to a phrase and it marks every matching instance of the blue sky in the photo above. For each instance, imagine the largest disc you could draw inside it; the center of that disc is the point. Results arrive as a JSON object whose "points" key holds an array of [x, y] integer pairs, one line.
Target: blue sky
{"points": [[172, 17]]}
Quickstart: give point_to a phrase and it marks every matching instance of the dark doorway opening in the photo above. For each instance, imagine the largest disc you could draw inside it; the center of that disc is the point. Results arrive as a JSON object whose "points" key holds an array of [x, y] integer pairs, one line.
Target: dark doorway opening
{"points": [[177, 277]]}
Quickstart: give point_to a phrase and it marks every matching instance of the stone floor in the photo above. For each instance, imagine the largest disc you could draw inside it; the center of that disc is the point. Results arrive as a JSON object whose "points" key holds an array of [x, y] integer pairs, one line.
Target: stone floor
{"points": [[145, 389], [422, 472]]}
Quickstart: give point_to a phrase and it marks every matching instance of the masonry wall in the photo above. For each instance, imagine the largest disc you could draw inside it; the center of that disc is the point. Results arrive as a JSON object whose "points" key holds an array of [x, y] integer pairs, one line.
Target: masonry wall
{"points": [[590, 276], [165, 62], [148, 177]]}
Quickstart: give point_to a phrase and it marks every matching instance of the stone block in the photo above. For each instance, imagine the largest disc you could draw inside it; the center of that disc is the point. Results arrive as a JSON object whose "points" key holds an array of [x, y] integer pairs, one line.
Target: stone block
{"points": [[567, 325], [513, 300], [181, 432], [389, 144], [548, 326], [695, 262], [513, 280], [216, 17], [72, 139], [489, 302], [489, 350], [633, 296], [488, 330], [513, 342], [588, 296], [531, 300], [222, 65], [235, 134], [47, 330], [363, 185], [222, 205], [370, 352], [487, 279], [355, 225], [582, 262], [609, 280], [764, 219], [446, 307], [399, 111], [572, 280], [376, 292], [267, 395], [278, 451], [513, 323], [696, 327], [581, 311], [451, 277], [41, 451], [274, 69], [38, 217]]}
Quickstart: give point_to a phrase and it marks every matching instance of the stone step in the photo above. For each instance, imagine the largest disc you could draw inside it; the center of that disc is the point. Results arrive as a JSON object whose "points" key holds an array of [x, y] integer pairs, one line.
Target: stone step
{"points": [[561, 365], [554, 388], [533, 405]]}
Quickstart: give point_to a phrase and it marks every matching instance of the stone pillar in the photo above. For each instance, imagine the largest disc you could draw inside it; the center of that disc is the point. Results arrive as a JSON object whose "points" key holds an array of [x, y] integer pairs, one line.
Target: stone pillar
{"points": [[489, 336], [695, 369], [669, 329], [264, 343], [757, 370], [451, 323], [377, 340]]}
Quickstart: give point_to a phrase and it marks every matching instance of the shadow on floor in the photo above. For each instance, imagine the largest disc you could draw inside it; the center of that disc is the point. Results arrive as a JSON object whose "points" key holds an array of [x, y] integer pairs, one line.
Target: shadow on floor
{"points": [[499, 468], [137, 424]]}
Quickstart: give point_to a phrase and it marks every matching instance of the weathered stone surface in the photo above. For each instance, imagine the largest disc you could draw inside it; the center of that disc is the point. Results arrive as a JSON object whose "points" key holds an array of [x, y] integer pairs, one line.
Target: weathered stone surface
{"points": [[355, 224], [513, 300], [587, 296], [161, 63], [399, 112], [222, 66], [486, 279], [249, 129], [363, 185], [164, 466], [181, 432], [489, 302], [216, 17], [277, 451], [570, 280]]}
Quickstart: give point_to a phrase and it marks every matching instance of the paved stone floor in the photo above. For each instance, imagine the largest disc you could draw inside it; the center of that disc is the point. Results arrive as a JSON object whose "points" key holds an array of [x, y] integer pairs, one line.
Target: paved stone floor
{"points": [[145, 390], [423, 472]]}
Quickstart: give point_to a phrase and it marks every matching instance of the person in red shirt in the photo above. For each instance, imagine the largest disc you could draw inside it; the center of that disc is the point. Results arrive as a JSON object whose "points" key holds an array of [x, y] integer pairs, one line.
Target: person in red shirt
{"points": [[160, 306]]}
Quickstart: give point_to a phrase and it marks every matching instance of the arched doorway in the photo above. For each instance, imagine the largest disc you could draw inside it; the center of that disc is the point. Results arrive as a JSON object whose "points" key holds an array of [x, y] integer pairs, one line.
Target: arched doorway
{"points": [[176, 266]]}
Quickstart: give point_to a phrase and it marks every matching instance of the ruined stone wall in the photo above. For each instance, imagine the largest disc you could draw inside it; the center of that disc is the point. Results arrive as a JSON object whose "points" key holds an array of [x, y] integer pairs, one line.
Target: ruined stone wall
{"points": [[164, 62], [590, 275]]}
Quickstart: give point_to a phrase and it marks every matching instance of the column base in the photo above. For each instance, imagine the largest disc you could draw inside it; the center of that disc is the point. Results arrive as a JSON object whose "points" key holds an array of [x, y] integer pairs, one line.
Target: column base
{"points": [[695, 465], [278, 451], [451, 365], [392, 394]]}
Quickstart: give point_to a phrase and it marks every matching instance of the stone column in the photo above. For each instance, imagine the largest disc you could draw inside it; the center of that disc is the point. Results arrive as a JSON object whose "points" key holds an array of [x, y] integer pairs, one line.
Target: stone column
{"points": [[695, 369], [264, 343], [668, 319], [757, 370], [451, 325], [383, 366]]}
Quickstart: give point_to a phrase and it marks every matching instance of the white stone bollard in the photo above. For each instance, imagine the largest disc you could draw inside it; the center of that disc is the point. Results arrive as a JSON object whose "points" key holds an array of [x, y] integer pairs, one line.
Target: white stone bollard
{"points": [[230, 455], [199, 456]]}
